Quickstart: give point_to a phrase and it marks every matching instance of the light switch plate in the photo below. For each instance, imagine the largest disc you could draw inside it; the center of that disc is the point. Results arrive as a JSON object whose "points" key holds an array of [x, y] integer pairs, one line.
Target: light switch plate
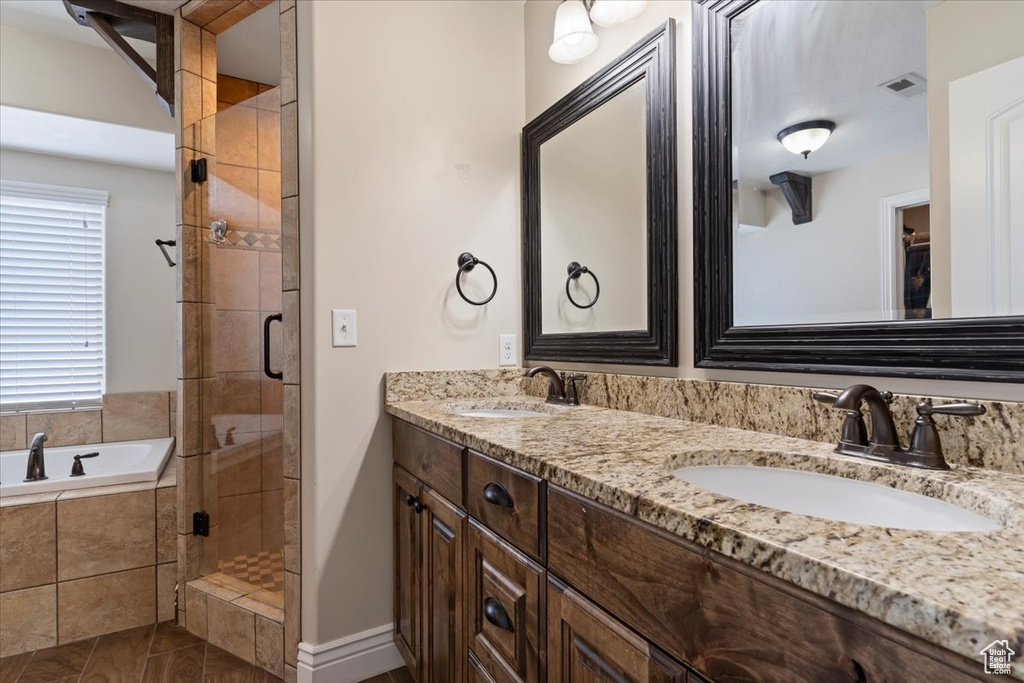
{"points": [[508, 352], [343, 326]]}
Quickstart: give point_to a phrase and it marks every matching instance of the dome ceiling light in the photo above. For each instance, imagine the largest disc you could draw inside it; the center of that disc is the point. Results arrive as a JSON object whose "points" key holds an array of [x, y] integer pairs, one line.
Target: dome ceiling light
{"points": [[804, 138]]}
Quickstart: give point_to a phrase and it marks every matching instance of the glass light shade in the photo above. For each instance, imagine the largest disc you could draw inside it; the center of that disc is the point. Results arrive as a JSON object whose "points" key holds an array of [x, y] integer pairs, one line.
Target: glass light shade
{"points": [[804, 138], [574, 36], [615, 12]]}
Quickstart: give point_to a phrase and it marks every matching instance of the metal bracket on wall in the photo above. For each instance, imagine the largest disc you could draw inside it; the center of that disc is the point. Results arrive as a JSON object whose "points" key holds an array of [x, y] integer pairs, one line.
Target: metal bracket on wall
{"points": [[114, 21], [796, 189]]}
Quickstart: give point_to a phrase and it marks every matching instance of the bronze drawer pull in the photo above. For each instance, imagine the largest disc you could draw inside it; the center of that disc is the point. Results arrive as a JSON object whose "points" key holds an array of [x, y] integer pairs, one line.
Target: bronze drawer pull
{"points": [[496, 494], [496, 614]]}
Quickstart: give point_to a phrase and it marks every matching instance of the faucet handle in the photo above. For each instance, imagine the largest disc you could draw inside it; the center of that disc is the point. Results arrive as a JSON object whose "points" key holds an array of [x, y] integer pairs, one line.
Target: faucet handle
{"points": [[925, 445], [925, 407], [854, 431], [824, 397]]}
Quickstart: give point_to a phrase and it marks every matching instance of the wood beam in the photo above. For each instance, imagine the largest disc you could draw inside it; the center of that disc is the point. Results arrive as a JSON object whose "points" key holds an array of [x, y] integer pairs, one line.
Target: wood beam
{"points": [[164, 24], [114, 21]]}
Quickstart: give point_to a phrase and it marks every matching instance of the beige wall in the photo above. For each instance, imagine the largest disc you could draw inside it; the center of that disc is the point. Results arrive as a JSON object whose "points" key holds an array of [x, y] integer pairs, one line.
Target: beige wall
{"points": [[415, 109], [140, 315], [45, 73], [964, 37], [547, 81]]}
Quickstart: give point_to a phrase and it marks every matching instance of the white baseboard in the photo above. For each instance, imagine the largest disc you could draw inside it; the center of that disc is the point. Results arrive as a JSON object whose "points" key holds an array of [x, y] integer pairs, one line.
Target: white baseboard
{"points": [[350, 659]]}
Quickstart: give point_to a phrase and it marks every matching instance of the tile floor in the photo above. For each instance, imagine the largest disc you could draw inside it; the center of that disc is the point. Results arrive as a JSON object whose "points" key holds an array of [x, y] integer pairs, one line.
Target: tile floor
{"points": [[163, 653], [264, 570]]}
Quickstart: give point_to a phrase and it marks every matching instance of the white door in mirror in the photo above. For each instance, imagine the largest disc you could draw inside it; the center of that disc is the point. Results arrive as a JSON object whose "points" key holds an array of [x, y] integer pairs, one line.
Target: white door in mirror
{"points": [[343, 325], [508, 354]]}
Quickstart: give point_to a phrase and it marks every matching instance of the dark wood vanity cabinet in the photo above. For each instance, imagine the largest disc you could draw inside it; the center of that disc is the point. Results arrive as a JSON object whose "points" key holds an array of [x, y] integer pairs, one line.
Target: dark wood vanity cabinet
{"points": [[586, 645], [532, 583], [505, 600], [408, 592], [429, 570]]}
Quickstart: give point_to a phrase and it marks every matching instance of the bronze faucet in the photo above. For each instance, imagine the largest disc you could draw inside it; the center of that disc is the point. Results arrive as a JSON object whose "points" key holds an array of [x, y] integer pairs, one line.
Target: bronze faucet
{"points": [[36, 470], [925, 449], [562, 388]]}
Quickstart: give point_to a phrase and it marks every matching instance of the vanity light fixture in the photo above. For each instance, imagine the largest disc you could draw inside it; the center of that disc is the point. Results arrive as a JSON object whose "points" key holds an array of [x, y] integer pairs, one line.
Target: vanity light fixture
{"points": [[615, 12], [804, 138], [574, 38]]}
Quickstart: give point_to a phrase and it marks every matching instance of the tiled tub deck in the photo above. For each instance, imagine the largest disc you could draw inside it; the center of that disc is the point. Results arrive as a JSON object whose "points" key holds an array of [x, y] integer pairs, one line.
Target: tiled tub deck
{"points": [[82, 563]]}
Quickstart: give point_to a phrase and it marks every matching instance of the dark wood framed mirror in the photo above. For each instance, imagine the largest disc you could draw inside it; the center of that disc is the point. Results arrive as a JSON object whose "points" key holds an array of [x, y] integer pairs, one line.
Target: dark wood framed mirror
{"points": [[963, 341], [600, 214]]}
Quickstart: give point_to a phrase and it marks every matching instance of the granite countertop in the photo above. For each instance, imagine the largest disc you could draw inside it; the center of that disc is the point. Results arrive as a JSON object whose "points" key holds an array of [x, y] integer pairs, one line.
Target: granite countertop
{"points": [[958, 590]]}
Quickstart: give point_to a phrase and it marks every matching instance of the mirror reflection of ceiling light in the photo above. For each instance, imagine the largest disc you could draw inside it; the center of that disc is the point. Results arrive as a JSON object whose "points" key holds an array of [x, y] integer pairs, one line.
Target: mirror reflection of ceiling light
{"points": [[574, 38], [804, 138], [615, 12]]}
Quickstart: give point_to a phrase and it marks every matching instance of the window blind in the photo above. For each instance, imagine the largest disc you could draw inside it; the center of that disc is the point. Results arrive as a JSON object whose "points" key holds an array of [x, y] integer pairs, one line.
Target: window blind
{"points": [[51, 296]]}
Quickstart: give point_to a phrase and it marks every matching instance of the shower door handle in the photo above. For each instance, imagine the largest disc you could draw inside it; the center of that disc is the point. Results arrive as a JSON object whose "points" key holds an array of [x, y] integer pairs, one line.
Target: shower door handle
{"points": [[266, 346]]}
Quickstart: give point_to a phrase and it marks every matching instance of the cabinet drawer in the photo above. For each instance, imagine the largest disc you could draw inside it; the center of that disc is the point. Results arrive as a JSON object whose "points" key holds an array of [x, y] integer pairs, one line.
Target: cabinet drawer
{"points": [[721, 617], [586, 644], [507, 501], [431, 459], [506, 593]]}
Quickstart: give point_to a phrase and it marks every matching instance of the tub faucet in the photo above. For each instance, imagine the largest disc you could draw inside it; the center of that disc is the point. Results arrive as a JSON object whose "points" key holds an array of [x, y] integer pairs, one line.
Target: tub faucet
{"points": [[36, 462]]}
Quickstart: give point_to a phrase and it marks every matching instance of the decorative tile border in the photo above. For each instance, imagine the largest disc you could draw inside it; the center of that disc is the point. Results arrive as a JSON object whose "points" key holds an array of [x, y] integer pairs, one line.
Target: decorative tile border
{"points": [[252, 239]]}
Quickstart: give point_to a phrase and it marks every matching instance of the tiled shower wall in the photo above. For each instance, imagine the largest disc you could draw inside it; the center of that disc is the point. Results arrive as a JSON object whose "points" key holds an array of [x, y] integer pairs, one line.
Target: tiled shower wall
{"points": [[198, 99]]}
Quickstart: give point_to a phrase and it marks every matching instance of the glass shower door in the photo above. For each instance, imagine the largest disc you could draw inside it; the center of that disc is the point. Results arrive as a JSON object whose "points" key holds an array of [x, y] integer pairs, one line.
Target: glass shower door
{"points": [[243, 476]]}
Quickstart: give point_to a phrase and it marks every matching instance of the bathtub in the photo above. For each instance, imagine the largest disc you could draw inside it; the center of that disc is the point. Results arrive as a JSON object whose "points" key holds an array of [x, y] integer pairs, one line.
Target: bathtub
{"points": [[123, 462]]}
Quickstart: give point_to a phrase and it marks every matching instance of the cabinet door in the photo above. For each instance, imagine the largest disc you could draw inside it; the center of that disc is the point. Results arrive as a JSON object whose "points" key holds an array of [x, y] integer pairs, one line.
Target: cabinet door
{"points": [[444, 532], [408, 569], [505, 604], [585, 645]]}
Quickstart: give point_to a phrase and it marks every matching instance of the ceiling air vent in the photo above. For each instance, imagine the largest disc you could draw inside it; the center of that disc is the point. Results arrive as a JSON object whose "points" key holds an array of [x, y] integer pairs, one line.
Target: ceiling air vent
{"points": [[906, 85]]}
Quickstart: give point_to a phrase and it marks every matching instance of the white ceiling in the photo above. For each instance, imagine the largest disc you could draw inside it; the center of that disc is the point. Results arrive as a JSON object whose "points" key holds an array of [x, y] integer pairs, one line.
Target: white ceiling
{"points": [[68, 136], [50, 17], [824, 59], [249, 49], [165, 6], [246, 50]]}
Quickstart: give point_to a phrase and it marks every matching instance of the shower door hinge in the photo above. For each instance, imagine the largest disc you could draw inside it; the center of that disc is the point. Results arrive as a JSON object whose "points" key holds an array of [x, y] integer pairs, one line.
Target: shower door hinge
{"points": [[200, 524], [197, 168]]}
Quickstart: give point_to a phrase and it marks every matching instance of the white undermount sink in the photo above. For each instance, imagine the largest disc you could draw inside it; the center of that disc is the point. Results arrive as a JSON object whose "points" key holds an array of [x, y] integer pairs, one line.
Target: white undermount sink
{"points": [[500, 413], [834, 498]]}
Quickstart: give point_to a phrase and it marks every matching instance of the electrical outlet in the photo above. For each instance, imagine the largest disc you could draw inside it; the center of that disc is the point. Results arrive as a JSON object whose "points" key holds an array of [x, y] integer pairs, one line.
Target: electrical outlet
{"points": [[343, 327], [508, 353]]}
